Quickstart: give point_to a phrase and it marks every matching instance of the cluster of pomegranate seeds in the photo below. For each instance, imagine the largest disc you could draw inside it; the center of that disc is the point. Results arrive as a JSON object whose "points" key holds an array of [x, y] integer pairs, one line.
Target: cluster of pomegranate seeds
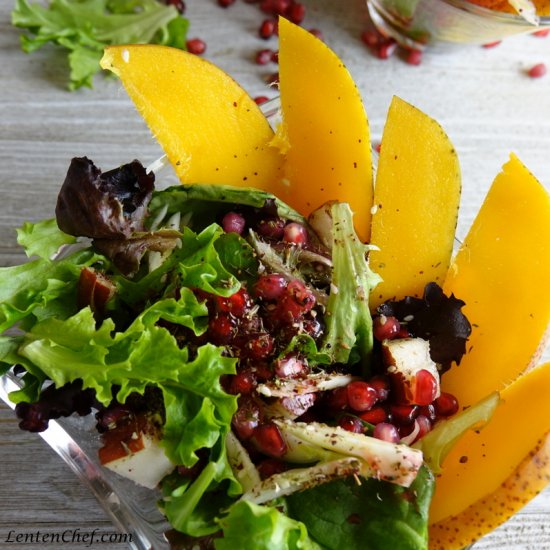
{"points": [[384, 47]]}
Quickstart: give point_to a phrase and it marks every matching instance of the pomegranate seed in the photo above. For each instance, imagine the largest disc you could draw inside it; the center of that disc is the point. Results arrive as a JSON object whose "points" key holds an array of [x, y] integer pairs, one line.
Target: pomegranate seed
{"points": [[295, 302], [196, 46], [425, 387], [260, 346], [280, 7], [225, 3], [270, 287], [386, 432], [538, 70], [351, 424], [414, 57], [371, 38], [246, 419], [378, 147], [317, 33], [263, 371], [237, 303], [492, 44], [295, 233], [288, 367], [386, 49], [404, 414], [267, 29], [268, 439], [429, 412], [446, 405], [233, 223], [375, 415], [403, 333], [361, 396], [242, 383], [385, 328], [542, 33], [263, 57], [382, 386], [178, 4], [296, 13], [221, 329], [271, 466], [275, 57], [261, 99], [337, 399], [271, 228], [424, 426]]}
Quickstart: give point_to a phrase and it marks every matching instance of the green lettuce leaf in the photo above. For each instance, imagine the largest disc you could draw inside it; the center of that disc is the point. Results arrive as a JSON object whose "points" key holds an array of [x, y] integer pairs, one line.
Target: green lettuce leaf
{"points": [[41, 289], [374, 515], [348, 336], [42, 239], [249, 526], [84, 28]]}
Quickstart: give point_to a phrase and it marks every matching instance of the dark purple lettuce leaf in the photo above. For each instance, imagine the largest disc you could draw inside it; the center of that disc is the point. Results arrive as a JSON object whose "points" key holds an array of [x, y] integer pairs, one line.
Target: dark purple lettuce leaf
{"points": [[437, 318], [110, 205]]}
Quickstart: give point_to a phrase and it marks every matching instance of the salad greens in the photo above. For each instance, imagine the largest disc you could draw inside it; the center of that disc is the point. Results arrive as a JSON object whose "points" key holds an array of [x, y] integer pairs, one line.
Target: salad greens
{"points": [[154, 336], [85, 27]]}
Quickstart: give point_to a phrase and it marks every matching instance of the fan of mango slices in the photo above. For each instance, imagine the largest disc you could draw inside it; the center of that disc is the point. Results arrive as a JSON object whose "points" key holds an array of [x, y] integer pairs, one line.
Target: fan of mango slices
{"points": [[212, 131]]}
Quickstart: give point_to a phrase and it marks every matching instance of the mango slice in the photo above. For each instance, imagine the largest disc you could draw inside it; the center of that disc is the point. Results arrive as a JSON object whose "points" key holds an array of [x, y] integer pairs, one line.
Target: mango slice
{"points": [[416, 200], [325, 133], [527, 481], [209, 127], [502, 272], [484, 459]]}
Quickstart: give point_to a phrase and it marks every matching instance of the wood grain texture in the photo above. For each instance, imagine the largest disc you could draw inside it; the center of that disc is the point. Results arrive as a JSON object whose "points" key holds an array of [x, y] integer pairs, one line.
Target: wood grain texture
{"points": [[482, 97]]}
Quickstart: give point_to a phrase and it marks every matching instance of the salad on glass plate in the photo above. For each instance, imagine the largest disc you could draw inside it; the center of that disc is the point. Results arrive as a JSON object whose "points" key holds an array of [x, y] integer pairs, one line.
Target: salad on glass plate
{"points": [[279, 353]]}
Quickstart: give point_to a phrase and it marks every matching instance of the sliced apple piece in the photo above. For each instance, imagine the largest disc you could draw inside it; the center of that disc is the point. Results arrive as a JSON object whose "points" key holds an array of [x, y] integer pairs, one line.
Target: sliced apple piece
{"points": [[325, 133], [209, 127], [416, 201], [525, 482], [502, 272], [483, 460]]}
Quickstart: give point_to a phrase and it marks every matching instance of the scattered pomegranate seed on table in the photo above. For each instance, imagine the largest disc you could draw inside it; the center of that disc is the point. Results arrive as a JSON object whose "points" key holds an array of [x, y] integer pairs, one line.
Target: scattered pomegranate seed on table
{"points": [[538, 70], [492, 44], [225, 3], [265, 56], [261, 99], [267, 28], [196, 46], [542, 33], [414, 57]]}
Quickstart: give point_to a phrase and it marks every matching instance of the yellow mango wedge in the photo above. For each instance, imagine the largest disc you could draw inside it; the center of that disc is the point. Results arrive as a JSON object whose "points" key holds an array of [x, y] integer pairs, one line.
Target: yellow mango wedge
{"points": [[502, 272], [325, 133], [526, 481], [416, 200], [483, 460], [210, 129]]}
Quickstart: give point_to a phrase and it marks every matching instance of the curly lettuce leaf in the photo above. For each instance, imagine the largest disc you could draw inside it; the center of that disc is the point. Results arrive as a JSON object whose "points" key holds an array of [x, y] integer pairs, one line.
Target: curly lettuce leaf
{"points": [[374, 515], [249, 526], [42, 239], [41, 289], [85, 28]]}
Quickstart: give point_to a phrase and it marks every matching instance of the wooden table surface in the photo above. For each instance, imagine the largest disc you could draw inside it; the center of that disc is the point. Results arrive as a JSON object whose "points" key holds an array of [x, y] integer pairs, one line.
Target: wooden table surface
{"points": [[482, 97]]}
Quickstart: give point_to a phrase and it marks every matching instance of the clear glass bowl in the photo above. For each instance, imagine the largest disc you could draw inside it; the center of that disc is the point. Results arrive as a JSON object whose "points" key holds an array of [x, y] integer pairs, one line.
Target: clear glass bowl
{"points": [[418, 23]]}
